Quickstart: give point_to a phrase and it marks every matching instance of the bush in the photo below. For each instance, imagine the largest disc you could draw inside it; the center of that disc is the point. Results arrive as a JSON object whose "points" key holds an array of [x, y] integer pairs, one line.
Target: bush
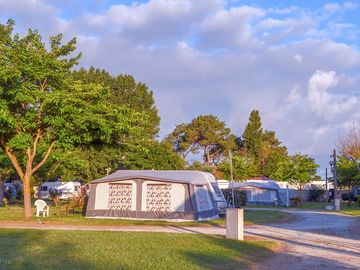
{"points": [[316, 193], [295, 201], [55, 194], [240, 197]]}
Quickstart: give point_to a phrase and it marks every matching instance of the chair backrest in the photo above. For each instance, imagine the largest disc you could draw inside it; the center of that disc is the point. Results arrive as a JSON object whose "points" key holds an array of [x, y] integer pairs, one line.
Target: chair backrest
{"points": [[40, 204]]}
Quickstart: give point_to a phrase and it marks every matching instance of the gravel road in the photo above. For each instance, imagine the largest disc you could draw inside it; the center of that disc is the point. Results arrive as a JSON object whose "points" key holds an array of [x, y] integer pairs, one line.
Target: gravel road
{"points": [[313, 240]]}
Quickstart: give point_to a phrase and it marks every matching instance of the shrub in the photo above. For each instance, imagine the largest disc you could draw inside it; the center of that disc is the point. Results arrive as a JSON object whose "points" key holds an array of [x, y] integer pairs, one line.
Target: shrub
{"points": [[55, 194], [316, 193], [295, 201]]}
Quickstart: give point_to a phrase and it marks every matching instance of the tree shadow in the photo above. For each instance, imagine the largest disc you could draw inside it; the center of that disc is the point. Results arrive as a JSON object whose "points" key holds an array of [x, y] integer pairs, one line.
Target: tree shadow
{"points": [[234, 255], [35, 249]]}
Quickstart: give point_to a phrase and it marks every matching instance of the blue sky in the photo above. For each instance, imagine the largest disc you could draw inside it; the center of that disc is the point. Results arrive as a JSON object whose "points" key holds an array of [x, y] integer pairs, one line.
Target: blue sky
{"points": [[297, 62]]}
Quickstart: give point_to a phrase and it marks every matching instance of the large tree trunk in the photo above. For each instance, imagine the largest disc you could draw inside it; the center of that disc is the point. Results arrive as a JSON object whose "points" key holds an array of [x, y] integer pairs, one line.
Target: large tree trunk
{"points": [[27, 196], [1, 191]]}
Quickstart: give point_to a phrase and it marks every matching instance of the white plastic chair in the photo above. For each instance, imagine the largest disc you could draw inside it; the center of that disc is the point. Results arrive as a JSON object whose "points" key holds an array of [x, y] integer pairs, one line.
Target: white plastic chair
{"points": [[41, 207]]}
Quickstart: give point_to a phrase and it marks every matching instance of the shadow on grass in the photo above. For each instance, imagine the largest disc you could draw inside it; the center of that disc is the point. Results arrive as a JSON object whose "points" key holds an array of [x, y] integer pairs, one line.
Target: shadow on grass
{"points": [[30, 249], [234, 255]]}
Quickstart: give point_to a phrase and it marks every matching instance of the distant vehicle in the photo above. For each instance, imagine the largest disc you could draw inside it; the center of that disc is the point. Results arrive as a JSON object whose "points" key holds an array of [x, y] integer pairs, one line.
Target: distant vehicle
{"points": [[218, 195], [67, 189], [352, 195]]}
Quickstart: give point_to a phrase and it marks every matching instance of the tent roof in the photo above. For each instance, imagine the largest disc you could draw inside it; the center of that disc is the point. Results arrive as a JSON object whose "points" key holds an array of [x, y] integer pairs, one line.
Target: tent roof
{"points": [[193, 177], [258, 184]]}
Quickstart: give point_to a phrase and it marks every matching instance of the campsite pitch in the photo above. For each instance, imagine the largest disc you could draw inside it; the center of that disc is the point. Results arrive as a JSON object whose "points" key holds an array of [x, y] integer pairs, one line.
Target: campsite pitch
{"points": [[30, 249]]}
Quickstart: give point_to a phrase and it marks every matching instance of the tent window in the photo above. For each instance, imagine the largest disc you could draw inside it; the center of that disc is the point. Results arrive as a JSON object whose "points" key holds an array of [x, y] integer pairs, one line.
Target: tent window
{"points": [[44, 188], [120, 196], [158, 197]]}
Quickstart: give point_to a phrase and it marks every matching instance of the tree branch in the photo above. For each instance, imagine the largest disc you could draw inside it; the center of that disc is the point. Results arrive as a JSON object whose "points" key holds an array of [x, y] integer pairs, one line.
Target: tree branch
{"points": [[13, 159], [35, 143], [43, 85], [44, 159]]}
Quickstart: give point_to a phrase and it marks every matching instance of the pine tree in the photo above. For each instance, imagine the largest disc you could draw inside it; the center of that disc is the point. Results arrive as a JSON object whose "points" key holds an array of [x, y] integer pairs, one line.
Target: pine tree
{"points": [[253, 138]]}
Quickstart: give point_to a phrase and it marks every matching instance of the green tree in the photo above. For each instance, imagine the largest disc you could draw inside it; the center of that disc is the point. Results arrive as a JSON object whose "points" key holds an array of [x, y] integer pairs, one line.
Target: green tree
{"points": [[206, 133], [42, 107], [347, 174], [126, 91], [297, 169], [154, 155], [253, 138], [243, 168]]}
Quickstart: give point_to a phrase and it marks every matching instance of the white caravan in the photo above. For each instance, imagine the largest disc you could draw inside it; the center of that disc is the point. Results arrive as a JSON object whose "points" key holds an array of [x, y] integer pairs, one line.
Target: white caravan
{"points": [[68, 189]]}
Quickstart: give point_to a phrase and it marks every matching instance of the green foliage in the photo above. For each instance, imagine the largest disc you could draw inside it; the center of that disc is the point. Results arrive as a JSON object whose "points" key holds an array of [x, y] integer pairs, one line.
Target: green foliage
{"points": [[125, 91], [206, 133], [40, 100], [297, 169], [154, 155], [243, 168], [253, 138], [347, 173]]}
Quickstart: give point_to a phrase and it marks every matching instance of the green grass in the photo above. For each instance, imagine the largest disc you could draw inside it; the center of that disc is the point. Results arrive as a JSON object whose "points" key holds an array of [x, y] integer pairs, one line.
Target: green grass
{"points": [[354, 209], [15, 213], [30, 249]]}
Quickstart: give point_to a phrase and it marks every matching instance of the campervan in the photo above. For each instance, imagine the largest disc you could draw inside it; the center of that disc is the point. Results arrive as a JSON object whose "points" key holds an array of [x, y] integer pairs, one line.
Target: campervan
{"points": [[67, 189]]}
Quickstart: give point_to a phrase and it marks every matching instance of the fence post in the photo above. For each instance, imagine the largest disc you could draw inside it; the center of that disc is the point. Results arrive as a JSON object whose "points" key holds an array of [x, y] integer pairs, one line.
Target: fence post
{"points": [[235, 223]]}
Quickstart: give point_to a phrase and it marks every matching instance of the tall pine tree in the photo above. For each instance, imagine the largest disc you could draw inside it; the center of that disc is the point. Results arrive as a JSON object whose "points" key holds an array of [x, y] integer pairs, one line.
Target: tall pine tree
{"points": [[253, 138]]}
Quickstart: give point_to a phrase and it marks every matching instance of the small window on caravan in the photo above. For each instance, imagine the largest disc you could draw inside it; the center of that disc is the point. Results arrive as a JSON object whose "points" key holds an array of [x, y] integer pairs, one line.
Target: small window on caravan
{"points": [[44, 188], [76, 188]]}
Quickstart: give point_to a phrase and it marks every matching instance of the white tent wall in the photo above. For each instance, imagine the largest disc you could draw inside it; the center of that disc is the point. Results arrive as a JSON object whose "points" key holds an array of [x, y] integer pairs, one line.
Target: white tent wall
{"points": [[177, 202], [152, 195]]}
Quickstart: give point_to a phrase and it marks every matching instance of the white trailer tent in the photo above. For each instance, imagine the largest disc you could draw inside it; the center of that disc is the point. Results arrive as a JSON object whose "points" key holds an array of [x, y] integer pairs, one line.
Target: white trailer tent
{"points": [[139, 194], [263, 192]]}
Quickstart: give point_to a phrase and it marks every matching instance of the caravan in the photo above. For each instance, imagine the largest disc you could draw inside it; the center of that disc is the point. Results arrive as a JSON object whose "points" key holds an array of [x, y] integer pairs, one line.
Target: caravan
{"points": [[67, 189]]}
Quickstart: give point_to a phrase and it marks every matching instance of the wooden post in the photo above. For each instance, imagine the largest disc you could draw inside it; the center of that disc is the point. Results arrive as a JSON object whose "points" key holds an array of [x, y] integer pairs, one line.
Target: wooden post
{"points": [[235, 223]]}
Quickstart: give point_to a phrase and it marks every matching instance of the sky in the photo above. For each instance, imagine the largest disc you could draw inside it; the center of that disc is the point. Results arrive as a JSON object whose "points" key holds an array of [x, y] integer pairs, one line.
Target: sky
{"points": [[297, 62]]}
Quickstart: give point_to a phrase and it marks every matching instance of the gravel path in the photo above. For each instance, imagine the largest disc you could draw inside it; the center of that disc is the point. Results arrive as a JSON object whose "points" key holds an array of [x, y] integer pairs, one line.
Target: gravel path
{"points": [[313, 240], [310, 240]]}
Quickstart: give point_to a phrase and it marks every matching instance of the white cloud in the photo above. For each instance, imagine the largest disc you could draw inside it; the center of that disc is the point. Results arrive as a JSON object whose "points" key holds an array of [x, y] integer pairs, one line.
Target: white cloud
{"points": [[321, 101], [298, 58], [201, 57]]}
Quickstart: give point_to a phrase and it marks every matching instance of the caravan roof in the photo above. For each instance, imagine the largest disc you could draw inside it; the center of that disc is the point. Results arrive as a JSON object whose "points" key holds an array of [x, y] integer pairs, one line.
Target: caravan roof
{"points": [[193, 177]]}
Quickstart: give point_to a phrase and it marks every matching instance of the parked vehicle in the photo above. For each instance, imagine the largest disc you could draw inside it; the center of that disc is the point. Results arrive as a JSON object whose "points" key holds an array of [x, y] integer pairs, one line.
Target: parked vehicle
{"points": [[67, 189], [352, 195]]}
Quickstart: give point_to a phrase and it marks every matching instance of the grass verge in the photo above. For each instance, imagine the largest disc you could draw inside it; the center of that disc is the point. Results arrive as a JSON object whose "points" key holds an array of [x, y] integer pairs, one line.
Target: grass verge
{"points": [[15, 213], [30, 249], [354, 209]]}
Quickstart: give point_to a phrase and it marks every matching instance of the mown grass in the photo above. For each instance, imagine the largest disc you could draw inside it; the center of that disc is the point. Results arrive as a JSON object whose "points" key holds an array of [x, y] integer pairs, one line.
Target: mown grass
{"points": [[15, 213], [31, 249], [354, 209]]}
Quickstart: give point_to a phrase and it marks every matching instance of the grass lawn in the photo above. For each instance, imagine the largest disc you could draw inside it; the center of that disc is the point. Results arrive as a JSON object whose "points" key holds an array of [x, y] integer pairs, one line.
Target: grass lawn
{"points": [[354, 209], [15, 213], [31, 249]]}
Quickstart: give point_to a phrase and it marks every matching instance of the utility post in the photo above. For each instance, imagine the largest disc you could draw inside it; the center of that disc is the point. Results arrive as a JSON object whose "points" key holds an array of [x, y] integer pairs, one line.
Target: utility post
{"points": [[333, 168], [232, 180], [326, 185]]}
